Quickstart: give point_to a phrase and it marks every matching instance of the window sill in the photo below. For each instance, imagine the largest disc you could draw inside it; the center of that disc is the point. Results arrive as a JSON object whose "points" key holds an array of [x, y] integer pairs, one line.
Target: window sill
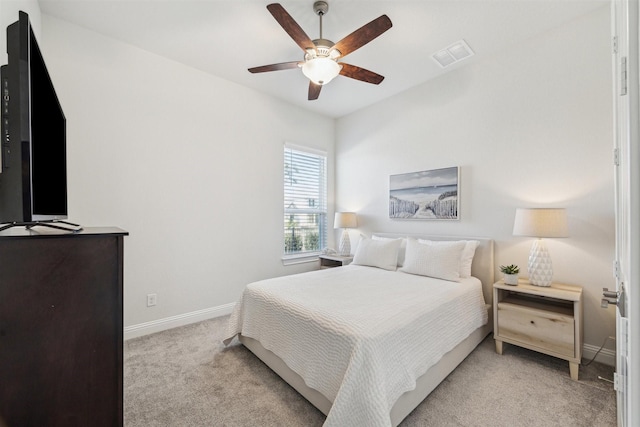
{"points": [[300, 259]]}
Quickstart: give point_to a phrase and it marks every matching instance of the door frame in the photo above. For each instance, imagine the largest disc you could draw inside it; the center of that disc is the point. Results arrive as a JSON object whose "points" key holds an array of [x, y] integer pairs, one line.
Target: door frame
{"points": [[626, 73]]}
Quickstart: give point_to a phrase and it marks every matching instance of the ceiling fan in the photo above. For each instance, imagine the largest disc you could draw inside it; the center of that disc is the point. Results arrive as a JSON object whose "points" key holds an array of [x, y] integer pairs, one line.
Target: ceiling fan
{"points": [[320, 64]]}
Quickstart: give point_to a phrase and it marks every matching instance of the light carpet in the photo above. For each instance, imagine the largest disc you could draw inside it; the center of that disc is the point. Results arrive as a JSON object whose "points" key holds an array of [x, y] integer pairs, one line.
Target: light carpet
{"points": [[186, 377]]}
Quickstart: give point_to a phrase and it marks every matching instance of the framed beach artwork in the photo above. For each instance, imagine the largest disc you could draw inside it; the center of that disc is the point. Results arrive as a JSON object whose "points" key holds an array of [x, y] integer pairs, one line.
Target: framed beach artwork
{"points": [[431, 194]]}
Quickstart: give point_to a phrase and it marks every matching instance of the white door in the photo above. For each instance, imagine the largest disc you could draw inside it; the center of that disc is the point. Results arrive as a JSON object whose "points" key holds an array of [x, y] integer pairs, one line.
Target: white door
{"points": [[625, 33]]}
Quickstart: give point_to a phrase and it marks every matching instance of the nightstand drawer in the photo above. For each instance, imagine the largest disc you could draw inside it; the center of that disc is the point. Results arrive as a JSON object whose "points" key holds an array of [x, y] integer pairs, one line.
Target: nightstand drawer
{"points": [[550, 330]]}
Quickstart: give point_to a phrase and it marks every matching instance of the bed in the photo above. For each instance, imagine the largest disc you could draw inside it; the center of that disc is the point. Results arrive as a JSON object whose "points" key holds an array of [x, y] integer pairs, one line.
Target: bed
{"points": [[366, 344]]}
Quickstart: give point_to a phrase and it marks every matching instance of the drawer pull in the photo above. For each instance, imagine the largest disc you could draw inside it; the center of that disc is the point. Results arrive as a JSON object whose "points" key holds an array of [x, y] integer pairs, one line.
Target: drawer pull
{"points": [[533, 323]]}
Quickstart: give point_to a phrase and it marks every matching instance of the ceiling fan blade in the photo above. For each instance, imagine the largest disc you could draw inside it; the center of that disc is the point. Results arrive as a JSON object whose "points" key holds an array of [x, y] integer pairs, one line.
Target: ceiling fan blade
{"points": [[291, 26], [363, 35], [360, 73], [314, 91], [275, 67]]}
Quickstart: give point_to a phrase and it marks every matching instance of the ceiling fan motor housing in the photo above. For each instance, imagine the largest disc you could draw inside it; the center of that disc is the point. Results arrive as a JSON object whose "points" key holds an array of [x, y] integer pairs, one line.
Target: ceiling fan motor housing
{"points": [[323, 49]]}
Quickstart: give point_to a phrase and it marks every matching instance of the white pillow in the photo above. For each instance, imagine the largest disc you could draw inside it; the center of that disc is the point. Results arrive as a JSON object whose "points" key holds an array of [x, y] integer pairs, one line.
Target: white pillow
{"points": [[401, 251], [466, 259], [377, 253], [441, 260]]}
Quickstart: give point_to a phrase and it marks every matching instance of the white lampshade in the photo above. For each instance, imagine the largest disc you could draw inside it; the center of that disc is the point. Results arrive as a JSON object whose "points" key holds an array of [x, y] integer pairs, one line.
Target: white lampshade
{"points": [[543, 222], [345, 220], [321, 70]]}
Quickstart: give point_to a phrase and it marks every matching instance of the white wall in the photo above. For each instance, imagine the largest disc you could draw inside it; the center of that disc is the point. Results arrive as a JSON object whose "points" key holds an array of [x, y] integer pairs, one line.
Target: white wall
{"points": [[189, 164], [531, 127]]}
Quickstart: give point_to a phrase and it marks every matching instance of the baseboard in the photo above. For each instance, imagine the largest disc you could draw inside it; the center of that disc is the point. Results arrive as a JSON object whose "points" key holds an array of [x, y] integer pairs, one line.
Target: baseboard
{"points": [[606, 356], [159, 325]]}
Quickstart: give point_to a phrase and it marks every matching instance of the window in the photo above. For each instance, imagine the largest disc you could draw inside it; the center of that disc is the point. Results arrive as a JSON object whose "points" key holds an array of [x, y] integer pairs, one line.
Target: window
{"points": [[305, 201]]}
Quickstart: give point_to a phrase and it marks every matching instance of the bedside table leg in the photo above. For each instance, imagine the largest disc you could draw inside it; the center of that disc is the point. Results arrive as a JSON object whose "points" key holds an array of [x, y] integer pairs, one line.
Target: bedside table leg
{"points": [[573, 370], [498, 347]]}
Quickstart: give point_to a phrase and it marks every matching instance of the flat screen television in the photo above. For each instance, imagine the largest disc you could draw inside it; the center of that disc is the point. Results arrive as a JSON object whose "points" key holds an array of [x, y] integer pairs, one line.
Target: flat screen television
{"points": [[33, 182]]}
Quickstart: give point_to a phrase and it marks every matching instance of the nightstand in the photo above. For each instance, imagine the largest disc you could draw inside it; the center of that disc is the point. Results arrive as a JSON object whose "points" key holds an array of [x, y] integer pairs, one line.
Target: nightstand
{"points": [[329, 261], [543, 319]]}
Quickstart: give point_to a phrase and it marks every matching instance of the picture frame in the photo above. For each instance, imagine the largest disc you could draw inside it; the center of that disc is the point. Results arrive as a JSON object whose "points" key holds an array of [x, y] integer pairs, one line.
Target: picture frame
{"points": [[425, 195]]}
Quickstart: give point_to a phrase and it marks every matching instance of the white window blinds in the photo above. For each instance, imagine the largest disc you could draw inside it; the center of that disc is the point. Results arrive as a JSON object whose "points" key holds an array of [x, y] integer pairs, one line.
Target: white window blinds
{"points": [[305, 201]]}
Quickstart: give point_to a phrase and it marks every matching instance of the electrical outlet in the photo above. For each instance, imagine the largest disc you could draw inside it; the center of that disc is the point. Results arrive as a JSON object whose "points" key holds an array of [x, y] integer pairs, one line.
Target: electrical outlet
{"points": [[152, 299]]}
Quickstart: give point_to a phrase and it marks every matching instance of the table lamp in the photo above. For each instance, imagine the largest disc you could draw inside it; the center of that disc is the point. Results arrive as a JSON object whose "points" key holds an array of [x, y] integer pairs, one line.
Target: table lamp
{"points": [[540, 223], [345, 220]]}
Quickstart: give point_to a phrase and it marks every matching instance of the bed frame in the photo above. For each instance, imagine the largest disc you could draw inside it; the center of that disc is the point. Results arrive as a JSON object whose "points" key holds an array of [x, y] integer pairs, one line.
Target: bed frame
{"points": [[482, 268]]}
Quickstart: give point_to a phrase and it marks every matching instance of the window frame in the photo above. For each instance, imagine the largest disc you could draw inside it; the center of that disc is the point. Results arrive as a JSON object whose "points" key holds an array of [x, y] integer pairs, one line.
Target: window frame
{"points": [[312, 255]]}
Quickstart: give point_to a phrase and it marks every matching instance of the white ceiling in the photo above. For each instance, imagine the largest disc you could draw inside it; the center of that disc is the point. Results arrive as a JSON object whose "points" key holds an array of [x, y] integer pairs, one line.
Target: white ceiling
{"points": [[224, 38]]}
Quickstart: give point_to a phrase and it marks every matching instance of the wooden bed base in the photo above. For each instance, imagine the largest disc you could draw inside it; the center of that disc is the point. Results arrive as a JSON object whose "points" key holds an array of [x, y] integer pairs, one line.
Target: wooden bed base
{"points": [[482, 268]]}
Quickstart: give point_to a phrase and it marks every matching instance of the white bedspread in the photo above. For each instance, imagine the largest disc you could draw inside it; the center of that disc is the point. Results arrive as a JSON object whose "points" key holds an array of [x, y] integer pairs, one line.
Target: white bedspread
{"points": [[359, 335]]}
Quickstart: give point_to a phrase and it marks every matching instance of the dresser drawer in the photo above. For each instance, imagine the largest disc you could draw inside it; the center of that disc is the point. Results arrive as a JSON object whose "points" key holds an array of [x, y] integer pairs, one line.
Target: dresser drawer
{"points": [[549, 330]]}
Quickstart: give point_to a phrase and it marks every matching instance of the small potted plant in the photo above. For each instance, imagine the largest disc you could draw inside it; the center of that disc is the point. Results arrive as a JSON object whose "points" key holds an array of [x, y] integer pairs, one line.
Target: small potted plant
{"points": [[510, 274]]}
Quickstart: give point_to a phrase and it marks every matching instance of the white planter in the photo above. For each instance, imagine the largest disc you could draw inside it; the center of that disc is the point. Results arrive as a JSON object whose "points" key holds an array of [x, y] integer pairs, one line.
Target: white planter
{"points": [[510, 279]]}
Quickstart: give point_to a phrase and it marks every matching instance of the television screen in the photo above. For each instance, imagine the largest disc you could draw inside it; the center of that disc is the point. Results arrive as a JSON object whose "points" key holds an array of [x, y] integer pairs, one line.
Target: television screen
{"points": [[33, 182], [48, 142]]}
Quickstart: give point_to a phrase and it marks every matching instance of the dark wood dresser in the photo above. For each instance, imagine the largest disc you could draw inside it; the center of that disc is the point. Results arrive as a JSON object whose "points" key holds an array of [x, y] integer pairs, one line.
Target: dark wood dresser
{"points": [[61, 327]]}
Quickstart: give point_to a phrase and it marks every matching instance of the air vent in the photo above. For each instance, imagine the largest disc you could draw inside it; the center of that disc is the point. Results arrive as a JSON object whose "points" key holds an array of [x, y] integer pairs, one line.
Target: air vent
{"points": [[452, 54]]}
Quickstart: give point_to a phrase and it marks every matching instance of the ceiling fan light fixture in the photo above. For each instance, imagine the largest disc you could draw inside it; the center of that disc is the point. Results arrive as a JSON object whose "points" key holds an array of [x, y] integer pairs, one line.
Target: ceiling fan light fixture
{"points": [[321, 70]]}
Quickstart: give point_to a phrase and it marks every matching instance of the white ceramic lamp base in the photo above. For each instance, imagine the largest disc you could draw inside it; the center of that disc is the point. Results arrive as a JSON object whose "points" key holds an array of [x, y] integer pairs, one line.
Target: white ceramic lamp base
{"points": [[345, 243], [540, 269]]}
